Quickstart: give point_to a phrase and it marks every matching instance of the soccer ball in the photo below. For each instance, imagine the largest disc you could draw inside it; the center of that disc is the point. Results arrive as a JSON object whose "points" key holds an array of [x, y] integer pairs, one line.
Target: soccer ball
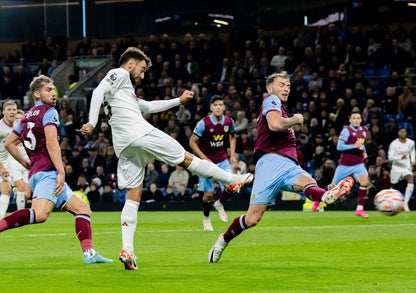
{"points": [[389, 201]]}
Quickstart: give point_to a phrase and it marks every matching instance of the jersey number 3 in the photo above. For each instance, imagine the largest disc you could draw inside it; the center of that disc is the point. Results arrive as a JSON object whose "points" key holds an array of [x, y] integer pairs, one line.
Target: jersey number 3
{"points": [[30, 141]]}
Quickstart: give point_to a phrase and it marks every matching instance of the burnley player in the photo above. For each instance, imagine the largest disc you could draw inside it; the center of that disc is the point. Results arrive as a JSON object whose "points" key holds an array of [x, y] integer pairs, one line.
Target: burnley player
{"points": [[39, 131], [210, 140], [276, 167], [353, 153]]}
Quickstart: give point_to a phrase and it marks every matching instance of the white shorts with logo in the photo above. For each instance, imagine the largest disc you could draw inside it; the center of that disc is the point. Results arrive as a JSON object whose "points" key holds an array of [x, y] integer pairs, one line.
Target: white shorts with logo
{"points": [[154, 145], [398, 173], [17, 172]]}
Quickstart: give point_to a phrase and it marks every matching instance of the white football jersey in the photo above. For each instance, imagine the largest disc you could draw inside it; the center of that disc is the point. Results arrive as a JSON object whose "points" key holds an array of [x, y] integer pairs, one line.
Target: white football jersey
{"points": [[123, 108], [5, 131], [396, 151]]}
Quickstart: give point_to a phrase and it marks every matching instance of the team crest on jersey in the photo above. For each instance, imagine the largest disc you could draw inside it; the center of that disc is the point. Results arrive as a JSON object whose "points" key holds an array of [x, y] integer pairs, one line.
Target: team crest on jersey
{"points": [[364, 134], [113, 76], [211, 130], [226, 128]]}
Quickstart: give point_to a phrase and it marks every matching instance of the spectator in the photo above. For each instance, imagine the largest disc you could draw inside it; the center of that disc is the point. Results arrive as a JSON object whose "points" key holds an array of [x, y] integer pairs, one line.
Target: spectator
{"points": [[179, 176], [151, 176], [111, 160], [172, 127], [152, 194], [241, 123], [164, 177], [95, 159], [93, 194]]}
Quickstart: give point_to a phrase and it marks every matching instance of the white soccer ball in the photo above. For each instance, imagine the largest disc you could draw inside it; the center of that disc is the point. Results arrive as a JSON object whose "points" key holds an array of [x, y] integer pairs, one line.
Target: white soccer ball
{"points": [[389, 201]]}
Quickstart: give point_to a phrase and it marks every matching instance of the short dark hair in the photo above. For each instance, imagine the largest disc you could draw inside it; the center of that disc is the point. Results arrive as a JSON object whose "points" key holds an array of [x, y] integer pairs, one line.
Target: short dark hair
{"points": [[136, 54], [215, 98]]}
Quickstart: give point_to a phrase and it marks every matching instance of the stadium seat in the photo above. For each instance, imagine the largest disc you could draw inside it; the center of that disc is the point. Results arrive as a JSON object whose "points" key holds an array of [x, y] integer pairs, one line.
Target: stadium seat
{"points": [[369, 73], [387, 117], [399, 118]]}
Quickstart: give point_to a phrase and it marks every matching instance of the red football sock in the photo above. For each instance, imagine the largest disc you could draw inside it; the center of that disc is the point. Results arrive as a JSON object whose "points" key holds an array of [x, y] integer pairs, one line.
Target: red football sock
{"points": [[225, 195], [83, 231], [362, 193], [313, 192], [206, 207], [236, 227], [17, 219]]}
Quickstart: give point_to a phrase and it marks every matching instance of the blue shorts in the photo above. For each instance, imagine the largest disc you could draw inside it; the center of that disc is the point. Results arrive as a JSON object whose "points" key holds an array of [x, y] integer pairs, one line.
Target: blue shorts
{"points": [[43, 186], [274, 174], [206, 184], [344, 171]]}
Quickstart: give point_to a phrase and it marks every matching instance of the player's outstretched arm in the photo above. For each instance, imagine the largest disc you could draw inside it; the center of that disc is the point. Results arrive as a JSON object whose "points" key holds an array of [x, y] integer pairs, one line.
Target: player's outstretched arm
{"points": [[96, 101], [186, 97], [87, 128]]}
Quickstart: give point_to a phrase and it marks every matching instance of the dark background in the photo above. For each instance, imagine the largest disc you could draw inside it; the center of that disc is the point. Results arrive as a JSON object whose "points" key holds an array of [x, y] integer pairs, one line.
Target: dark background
{"points": [[20, 20]]}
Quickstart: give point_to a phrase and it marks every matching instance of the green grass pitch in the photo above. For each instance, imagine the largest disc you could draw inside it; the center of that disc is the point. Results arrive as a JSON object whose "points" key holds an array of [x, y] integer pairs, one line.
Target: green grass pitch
{"points": [[334, 251]]}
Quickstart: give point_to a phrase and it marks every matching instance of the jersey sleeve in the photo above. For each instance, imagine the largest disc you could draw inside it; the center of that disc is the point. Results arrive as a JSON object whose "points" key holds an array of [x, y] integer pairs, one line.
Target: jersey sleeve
{"points": [[109, 84], [392, 152], [232, 127], [158, 106], [199, 128], [343, 138], [16, 129], [51, 117], [272, 103]]}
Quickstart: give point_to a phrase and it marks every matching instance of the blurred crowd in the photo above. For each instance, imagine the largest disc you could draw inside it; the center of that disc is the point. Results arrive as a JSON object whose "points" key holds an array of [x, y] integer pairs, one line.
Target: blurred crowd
{"points": [[334, 69]]}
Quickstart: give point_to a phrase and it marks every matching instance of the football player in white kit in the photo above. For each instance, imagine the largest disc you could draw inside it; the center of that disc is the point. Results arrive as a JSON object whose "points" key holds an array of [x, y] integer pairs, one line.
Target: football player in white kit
{"points": [[402, 155], [137, 142], [6, 127], [19, 174]]}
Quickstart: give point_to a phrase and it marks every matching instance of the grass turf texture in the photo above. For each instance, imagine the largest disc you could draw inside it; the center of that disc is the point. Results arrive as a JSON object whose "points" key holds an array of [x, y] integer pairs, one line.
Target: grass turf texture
{"points": [[287, 252]]}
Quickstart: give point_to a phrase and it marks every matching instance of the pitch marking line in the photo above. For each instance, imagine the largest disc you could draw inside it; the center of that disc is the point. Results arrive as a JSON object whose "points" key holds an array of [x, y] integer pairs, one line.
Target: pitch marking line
{"points": [[200, 230]]}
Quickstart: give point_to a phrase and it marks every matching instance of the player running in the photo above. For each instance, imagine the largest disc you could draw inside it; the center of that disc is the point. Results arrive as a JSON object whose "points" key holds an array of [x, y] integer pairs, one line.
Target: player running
{"points": [[20, 174], [402, 155], [276, 167], [353, 153], [6, 127], [210, 140], [38, 130]]}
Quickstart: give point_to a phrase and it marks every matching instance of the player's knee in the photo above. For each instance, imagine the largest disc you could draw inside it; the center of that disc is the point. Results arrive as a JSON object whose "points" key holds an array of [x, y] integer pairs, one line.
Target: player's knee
{"points": [[85, 211], [41, 217], [251, 221]]}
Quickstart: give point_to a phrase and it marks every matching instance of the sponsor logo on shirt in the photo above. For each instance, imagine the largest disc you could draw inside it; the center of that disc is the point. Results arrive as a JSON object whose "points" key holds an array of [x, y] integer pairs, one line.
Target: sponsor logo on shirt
{"points": [[113, 76]]}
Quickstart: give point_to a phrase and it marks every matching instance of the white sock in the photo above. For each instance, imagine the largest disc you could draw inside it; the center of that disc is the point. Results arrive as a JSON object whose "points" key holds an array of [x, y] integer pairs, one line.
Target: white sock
{"points": [[20, 200], [360, 207], [128, 224], [4, 204], [408, 192], [208, 169]]}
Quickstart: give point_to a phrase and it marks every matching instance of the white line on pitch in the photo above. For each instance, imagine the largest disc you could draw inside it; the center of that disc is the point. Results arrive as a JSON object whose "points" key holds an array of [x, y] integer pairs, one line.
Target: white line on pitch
{"points": [[198, 230]]}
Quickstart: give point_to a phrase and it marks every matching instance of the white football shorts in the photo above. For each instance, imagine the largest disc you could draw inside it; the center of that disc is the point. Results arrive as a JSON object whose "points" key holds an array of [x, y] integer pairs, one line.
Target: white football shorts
{"points": [[154, 145]]}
